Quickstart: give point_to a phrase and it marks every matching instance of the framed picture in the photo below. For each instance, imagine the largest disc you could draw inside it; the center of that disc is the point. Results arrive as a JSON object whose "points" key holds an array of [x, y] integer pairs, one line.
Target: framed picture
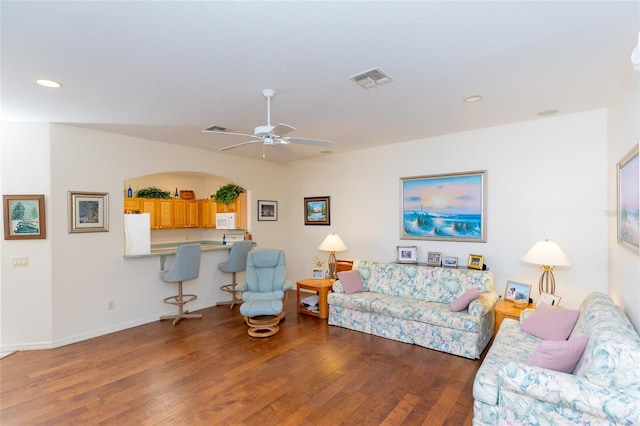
{"points": [[407, 254], [450, 262], [517, 291], [475, 261], [317, 211], [317, 273], [549, 299], [24, 217], [88, 211], [628, 200], [448, 207], [267, 210], [433, 259]]}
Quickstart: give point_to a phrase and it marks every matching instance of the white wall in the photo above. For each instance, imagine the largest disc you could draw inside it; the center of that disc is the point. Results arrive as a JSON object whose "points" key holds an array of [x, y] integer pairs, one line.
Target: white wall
{"points": [[624, 133], [546, 178]]}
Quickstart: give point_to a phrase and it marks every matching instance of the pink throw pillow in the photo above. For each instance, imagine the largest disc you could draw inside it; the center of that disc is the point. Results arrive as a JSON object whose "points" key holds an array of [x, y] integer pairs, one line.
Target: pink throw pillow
{"points": [[351, 281], [550, 322], [560, 355], [463, 301]]}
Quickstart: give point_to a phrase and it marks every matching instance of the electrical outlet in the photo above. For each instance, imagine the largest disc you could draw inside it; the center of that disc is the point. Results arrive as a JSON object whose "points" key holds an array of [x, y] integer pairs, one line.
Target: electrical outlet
{"points": [[111, 305], [19, 261]]}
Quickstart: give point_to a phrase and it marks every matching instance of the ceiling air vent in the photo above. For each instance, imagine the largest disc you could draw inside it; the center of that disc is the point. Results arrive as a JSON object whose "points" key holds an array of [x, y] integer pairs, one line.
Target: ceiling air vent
{"points": [[215, 128], [371, 78]]}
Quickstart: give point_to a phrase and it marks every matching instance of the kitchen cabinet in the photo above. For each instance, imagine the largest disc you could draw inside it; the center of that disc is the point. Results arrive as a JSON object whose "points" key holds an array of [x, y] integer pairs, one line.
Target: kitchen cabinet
{"points": [[207, 213], [161, 212], [185, 214]]}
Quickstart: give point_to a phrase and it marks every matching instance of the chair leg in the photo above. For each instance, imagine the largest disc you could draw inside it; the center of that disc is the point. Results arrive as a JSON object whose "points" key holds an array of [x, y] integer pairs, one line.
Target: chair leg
{"points": [[180, 301], [231, 288], [263, 325]]}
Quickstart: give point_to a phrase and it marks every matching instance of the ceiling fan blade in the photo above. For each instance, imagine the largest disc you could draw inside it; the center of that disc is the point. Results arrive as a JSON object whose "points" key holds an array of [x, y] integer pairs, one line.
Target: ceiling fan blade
{"points": [[282, 129], [306, 141], [239, 144]]}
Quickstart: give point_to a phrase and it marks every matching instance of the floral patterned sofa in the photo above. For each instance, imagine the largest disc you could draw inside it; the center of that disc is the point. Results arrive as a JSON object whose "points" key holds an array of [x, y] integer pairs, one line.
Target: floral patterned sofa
{"points": [[604, 388], [410, 303]]}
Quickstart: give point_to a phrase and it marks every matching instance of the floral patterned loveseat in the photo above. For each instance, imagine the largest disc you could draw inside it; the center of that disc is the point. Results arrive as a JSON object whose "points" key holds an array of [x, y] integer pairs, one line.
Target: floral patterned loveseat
{"points": [[604, 388], [410, 303]]}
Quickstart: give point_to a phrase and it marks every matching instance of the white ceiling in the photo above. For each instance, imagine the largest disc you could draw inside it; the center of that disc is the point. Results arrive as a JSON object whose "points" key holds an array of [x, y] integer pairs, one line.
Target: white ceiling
{"points": [[165, 70]]}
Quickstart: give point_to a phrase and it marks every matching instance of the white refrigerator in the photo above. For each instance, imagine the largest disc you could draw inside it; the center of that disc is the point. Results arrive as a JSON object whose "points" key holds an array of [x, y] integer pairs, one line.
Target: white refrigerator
{"points": [[137, 233]]}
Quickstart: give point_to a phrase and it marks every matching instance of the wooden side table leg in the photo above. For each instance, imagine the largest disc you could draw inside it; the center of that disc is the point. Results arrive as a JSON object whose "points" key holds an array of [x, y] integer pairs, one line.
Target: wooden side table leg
{"points": [[322, 303]]}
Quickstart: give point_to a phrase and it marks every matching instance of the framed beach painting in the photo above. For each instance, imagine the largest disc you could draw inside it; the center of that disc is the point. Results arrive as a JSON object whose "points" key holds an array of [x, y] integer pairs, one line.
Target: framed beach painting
{"points": [[447, 207], [628, 200], [24, 217]]}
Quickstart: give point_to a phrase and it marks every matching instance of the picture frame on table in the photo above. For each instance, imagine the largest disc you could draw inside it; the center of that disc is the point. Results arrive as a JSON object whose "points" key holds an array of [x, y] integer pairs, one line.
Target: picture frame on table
{"points": [[407, 254], [88, 211], [317, 273], [444, 207], [517, 291], [317, 211], [434, 258], [475, 261], [549, 299], [450, 262], [628, 201], [24, 217], [267, 210]]}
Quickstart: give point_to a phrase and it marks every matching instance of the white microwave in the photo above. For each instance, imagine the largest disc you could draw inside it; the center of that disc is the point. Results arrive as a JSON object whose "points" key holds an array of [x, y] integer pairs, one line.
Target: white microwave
{"points": [[225, 221]]}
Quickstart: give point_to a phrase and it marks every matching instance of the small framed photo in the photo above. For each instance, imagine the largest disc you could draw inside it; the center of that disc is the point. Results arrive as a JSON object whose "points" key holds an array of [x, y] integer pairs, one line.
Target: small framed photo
{"points": [[517, 291], [549, 299], [24, 217], [433, 258], [450, 262], [475, 261], [88, 211], [317, 211], [407, 254], [317, 273], [267, 210]]}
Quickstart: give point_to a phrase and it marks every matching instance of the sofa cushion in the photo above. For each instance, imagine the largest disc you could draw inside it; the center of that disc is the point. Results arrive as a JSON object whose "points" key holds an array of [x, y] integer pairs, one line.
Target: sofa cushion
{"points": [[550, 322], [558, 355], [463, 301], [351, 281]]}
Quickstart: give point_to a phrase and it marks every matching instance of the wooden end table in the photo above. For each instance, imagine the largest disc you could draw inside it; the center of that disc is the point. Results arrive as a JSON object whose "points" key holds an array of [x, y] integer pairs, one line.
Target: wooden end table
{"points": [[505, 309], [321, 288]]}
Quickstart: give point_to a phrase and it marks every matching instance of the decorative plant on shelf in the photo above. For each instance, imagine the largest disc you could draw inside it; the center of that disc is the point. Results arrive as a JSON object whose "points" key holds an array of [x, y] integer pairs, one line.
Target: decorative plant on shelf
{"points": [[153, 192], [228, 193]]}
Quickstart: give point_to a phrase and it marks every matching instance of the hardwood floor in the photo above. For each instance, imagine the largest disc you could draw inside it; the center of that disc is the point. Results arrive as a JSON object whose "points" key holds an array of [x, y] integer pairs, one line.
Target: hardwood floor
{"points": [[210, 372]]}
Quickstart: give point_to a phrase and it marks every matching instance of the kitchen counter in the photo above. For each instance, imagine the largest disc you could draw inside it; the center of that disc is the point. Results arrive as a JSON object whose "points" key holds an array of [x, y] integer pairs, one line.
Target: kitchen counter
{"points": [[170, 249]]}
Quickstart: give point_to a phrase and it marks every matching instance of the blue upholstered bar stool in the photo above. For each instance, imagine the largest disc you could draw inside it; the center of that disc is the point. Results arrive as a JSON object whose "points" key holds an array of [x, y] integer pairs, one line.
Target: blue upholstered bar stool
{"points": [[186, 266], [237, 262]]}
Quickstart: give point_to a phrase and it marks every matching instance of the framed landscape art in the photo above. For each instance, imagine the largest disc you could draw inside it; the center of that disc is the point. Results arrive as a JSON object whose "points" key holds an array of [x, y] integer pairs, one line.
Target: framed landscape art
{"points": [[88, 212], [24, 217], [628, 200], [267, 210], [317, 211], [447, 207]]}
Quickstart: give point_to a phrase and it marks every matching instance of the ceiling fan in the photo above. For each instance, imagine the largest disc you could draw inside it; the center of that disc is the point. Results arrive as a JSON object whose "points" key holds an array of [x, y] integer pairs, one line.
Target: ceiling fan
{"points": [[267, 134]]}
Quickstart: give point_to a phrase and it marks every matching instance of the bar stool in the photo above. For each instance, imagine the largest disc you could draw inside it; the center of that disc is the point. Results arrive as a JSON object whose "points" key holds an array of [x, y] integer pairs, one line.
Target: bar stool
{"points": [[186, 266], [237, 262]]}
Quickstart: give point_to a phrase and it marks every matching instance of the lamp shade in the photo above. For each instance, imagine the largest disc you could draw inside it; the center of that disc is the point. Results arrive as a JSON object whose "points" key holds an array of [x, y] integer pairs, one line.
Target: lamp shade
{"points": [[332, 243], [546, 253]]}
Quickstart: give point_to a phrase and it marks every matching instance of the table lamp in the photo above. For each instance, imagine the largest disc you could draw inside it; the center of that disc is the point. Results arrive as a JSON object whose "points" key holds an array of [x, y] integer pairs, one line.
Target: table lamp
{"points": [[547, 255], [332, 244]]}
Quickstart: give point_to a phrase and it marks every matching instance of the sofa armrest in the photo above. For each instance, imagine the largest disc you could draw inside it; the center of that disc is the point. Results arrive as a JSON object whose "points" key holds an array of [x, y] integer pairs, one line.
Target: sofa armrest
{"points": [[483, 304], [568, 391], [337, 287]]}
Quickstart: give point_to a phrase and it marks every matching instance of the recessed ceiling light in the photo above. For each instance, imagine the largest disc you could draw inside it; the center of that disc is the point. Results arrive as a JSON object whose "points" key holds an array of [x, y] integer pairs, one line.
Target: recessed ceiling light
{"points": [[326, 152], [48, 83], [473, 98], [547, 112]]}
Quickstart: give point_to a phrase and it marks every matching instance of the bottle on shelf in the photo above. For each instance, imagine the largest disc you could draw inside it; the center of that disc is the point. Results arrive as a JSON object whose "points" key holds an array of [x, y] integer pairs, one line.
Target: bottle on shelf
{"points": [[176, 195], [129, 192]]}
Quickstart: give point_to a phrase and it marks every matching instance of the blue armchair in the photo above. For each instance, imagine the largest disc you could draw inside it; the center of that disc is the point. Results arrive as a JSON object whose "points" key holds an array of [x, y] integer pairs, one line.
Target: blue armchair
{"points": [[264, 292]]}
